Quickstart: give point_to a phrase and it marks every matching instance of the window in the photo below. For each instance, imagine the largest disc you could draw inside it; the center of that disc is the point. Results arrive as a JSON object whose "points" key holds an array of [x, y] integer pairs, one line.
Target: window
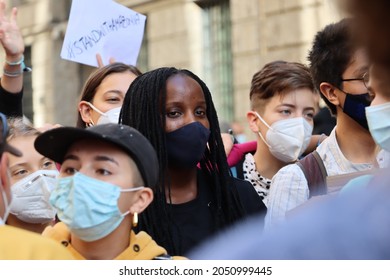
{"points": [[218, 68], [28, 108]]}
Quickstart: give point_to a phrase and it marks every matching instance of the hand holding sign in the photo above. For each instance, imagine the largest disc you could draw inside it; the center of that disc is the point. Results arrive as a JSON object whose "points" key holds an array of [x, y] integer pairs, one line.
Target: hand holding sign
{"points": [[104, 27]]}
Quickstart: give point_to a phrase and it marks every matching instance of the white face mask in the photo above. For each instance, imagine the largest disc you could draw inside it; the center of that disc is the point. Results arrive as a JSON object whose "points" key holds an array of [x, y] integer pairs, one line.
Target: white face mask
{"points": [[30, 197], [111, 116], [287, 139], [378, 119]]}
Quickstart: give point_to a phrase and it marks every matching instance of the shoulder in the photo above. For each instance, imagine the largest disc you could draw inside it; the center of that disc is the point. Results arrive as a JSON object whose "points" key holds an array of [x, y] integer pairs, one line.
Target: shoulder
{"points": [[30, 246], [291, 171], [288, 178], [250, 200]]}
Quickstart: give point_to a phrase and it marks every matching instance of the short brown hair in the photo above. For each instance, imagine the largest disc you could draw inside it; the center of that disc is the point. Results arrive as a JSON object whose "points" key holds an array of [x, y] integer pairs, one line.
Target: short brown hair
{"points": [[277, 77]]}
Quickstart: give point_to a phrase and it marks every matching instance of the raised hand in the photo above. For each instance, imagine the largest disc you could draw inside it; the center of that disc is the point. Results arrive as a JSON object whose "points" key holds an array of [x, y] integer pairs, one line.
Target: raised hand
{"points": [[10, 36]]}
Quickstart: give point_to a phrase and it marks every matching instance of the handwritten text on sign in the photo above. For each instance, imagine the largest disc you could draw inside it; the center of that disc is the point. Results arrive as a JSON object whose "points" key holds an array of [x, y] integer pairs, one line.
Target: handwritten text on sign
{"points": [[118, 35]]}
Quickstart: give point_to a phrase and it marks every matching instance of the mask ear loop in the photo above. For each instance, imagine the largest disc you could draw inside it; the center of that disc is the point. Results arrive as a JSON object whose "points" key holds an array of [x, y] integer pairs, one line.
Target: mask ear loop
{"points": [[131, 190], [261, 136], [96, 109], [91, 123]]}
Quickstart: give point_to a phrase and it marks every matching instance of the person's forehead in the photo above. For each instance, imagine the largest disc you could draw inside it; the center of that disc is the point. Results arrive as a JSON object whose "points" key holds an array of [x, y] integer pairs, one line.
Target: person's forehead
{"points": [[181, 82], [358, 63]]}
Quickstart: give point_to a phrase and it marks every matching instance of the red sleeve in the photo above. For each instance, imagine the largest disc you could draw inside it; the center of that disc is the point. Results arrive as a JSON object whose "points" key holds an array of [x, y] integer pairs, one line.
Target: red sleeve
{"points": [[239, 150]]}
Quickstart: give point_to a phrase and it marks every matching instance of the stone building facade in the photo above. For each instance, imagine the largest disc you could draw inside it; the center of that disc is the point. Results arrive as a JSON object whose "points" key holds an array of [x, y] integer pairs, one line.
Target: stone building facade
{"points": [[224, 42]]}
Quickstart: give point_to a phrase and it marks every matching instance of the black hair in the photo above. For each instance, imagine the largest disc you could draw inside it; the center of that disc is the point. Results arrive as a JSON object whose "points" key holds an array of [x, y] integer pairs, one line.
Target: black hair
{"points": [[332, 51], [144, 109]]}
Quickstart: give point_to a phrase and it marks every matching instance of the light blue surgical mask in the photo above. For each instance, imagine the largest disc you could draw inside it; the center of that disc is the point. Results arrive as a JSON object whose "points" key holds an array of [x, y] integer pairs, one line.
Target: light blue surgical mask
{"points": [[378, 118], [87, 206]]}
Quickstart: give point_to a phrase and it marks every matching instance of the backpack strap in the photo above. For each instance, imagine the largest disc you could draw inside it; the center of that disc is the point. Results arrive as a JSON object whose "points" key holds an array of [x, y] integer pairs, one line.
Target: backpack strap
{"points": [[315, 173]]}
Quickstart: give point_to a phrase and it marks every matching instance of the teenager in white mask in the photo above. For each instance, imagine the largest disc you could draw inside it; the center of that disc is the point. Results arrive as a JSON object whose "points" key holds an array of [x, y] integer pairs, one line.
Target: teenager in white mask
{"points": [[103, 93], [33, 177], [19, 244], [282, 102]]}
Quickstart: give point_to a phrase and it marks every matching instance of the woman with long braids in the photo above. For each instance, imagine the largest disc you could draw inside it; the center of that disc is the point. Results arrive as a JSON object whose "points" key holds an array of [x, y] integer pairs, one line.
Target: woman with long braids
{"points": [[196, 196]]}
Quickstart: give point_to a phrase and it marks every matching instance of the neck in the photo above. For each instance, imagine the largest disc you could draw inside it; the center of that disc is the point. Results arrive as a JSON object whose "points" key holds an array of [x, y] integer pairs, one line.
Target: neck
{"points": [[38, 228], [183, 185], [355, 142], [107, 248], [266, 164]]}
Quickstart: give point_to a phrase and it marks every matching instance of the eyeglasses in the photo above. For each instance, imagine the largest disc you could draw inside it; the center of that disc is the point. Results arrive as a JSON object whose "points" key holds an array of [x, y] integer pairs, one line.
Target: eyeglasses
{"points": [[365, 78]]}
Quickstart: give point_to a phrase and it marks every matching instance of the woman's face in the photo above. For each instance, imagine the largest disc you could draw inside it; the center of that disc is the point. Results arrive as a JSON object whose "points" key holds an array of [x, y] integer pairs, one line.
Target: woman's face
{"points": [[109, 95], [185, 103], [30, 162]]}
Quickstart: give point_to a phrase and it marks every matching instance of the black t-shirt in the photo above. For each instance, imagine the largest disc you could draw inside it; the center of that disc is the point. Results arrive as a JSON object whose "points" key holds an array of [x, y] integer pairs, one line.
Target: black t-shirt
{"points": [[11, 103], [194, 220]]}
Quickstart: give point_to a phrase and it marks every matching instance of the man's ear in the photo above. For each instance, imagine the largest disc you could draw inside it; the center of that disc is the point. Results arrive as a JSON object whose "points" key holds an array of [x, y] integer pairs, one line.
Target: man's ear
{"points": [[252, 120], [329, 91], [85, 111], [143, 198]]}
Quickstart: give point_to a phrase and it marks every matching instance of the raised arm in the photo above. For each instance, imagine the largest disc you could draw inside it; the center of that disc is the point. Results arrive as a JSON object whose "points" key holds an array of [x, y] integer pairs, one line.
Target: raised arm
{"points": [[12, 42]]}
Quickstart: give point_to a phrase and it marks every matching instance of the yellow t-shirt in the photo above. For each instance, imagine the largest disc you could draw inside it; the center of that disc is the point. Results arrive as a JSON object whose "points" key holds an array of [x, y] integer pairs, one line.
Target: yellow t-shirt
{"points": [[19, 244]]}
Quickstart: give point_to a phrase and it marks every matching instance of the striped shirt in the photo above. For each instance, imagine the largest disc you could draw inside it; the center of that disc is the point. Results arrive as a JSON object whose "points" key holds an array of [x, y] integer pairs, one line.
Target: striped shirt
{"points": [[289, 187]]}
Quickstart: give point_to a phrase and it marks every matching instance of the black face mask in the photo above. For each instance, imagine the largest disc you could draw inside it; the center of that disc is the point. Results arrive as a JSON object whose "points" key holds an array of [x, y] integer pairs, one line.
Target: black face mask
{"points": [[355, 107], [186, 145]]}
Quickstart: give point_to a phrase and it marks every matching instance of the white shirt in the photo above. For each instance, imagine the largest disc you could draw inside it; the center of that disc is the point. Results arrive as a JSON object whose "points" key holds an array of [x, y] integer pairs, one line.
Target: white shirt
{"points": [[289, 187]]}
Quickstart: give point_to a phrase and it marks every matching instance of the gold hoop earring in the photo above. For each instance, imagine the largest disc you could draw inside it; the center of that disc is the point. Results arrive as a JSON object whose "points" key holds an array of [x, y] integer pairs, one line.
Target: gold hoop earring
{"points": [[90, 124], [135, 220]]}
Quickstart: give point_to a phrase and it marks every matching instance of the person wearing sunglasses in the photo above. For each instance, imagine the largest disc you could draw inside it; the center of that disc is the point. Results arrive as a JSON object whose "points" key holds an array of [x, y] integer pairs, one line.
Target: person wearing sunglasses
{"points": [[15, 243]]}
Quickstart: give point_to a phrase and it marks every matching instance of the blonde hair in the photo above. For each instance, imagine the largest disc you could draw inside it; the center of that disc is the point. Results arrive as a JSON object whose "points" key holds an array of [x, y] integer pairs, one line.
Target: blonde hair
{"points": [[18, 127]]}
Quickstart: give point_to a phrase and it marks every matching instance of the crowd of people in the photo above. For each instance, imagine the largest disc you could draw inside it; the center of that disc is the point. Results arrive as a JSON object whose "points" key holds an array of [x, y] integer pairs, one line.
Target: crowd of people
{"points": [[146, 172]]}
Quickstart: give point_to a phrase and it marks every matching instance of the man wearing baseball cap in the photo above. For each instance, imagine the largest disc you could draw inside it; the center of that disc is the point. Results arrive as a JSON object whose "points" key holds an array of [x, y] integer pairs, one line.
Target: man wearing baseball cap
{"points": [[107, 177], [15, 243]]}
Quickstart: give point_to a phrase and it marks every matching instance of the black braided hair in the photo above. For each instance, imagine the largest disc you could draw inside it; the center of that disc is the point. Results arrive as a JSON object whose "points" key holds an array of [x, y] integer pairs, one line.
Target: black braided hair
{"points": [[144, 109]]}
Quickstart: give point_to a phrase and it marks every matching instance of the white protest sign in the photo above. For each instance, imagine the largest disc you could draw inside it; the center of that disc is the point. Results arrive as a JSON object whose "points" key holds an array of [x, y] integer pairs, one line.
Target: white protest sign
{"points": [[102, 27]]}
